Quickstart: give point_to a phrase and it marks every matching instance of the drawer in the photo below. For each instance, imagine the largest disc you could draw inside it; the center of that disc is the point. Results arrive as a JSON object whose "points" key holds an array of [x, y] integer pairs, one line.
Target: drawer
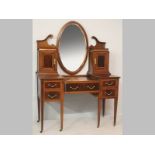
{"points": [[51, 96], [91, 86], [109, 93], [82, 87], [52, 84], [109, 83], [73, 87]]}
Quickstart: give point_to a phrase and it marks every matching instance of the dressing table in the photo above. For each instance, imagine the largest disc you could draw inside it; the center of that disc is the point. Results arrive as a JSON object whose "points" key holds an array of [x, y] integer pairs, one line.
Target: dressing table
{"points": [[71, 53]]}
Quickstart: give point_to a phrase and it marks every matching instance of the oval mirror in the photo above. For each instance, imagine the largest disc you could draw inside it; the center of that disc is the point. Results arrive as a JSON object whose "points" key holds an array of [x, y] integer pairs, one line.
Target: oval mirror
{"points": [[72, 45]]}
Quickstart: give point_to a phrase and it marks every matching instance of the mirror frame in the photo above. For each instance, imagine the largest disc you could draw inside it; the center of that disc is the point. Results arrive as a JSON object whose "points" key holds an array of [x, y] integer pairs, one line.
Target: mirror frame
{"points": [[86, 42]]}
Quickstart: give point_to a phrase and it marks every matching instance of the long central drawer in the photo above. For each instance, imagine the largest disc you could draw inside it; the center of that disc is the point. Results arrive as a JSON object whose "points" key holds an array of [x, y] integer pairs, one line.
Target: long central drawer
{"points": [[73, 87]]}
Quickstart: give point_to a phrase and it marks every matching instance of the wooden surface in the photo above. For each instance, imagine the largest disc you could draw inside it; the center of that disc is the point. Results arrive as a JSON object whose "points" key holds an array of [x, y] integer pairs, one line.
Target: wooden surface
{"points": [[95, 52], [98, 81], [53, 89], [47, 76]]}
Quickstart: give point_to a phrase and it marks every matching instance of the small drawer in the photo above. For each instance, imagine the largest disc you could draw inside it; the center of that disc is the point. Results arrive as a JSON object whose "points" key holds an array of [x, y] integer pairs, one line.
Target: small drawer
{"points": [[91, 86], [110, 83], [49, 96], [73, 87], [52, 84], [82, 87], [109, 93]]}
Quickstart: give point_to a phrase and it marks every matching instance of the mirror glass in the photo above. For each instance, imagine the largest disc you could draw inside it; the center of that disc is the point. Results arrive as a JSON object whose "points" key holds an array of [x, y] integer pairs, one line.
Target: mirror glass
{"points": [[72, 47]]}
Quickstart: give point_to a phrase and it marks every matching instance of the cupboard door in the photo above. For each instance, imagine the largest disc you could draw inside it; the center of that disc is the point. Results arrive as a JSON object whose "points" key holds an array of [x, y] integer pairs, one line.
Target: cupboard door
{"points": [[47, 61], [99, 61]]}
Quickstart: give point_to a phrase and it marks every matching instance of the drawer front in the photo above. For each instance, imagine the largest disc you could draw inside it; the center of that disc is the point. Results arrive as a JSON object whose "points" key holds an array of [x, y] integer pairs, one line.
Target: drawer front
{"points": [[91, 86], [52, 84], [51, 96], [109, 93], [109, 83], [82, 87]]}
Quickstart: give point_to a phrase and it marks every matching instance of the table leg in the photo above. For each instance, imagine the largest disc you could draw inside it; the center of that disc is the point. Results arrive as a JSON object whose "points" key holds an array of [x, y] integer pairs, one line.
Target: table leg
{"points": [[115, 109], [61, 114], [99, 112], [103, 107], [38, 100], [38, 110], [42, 110]]}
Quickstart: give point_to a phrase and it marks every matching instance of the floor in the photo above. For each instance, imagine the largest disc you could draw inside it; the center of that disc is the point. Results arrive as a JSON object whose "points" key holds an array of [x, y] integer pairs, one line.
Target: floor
{"points": [[81, 126]]}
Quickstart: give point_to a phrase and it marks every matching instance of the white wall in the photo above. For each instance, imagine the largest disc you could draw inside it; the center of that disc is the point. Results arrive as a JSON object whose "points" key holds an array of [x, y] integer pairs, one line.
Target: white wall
{"points": [[109, 31]]}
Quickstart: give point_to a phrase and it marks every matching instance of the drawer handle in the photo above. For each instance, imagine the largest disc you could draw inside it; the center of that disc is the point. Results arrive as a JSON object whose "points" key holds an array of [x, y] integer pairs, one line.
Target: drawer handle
{"points": [[51, 85], [109, 83], [74, 88], [108, 93], [52, 96], [91, 87]]}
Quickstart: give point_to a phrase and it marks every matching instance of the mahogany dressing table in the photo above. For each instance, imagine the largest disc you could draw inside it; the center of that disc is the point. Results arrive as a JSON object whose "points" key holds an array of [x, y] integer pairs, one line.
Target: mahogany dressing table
{"points": [[98, 81]]}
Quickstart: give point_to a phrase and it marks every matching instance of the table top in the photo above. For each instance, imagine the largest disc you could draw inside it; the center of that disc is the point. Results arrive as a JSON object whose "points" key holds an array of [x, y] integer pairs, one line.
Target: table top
{"points": [[45, 76]]}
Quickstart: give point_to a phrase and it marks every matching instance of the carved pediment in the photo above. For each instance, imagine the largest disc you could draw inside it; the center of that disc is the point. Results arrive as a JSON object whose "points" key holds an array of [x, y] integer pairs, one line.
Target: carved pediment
{"points": [[99, 44], [43, 44]]}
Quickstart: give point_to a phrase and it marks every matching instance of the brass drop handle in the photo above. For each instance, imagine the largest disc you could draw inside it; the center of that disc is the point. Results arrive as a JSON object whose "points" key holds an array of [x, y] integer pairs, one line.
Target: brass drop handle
{"points": [[108, 93], [52, 96], [109, 83], [74, 88], [91, 87], [51, 85]]}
